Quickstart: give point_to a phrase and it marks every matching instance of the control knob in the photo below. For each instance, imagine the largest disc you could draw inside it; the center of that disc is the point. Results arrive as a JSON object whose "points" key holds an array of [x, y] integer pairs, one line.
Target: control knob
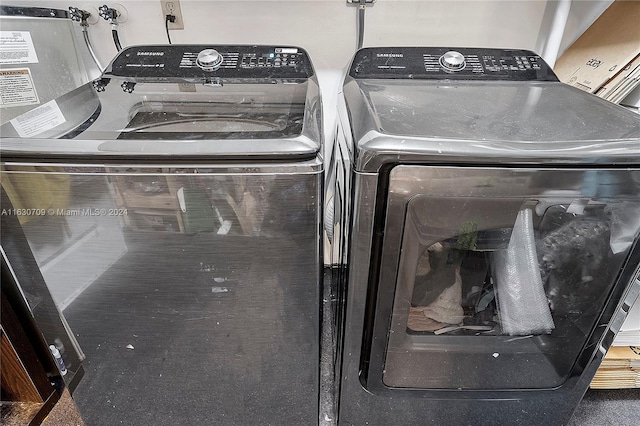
{"points": [[452, 61], [209, 59]]}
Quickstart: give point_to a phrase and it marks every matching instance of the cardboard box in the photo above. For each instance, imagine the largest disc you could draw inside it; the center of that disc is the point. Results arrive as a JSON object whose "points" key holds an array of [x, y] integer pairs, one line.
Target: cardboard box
{"points": [[622, 83], [604, 49]]}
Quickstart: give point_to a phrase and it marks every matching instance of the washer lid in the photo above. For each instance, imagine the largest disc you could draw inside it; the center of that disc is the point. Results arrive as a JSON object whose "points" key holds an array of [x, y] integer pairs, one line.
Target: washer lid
{"points": [[148, 104]]}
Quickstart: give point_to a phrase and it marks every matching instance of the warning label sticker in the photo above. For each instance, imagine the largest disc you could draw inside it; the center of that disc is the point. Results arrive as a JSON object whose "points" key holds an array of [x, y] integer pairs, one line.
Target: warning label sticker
{"points": [[17, 88], [16, 47], [38, 120]]}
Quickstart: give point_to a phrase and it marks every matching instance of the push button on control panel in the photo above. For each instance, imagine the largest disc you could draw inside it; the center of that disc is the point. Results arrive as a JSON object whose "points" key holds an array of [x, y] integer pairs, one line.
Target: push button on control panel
{"points": [[452, 61], [209, 59]]}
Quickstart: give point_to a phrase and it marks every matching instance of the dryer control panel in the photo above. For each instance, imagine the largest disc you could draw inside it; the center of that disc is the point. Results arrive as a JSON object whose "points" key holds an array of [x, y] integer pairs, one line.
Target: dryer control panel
{"points": [[440, 63], [166, 62]]}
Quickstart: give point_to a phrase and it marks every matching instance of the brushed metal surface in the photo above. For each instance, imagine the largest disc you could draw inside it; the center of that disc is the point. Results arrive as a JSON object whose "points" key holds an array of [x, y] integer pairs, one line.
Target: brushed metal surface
{"points": [[186, 258], [423, 125], [360, 399], [478, 122], [217, 323]]}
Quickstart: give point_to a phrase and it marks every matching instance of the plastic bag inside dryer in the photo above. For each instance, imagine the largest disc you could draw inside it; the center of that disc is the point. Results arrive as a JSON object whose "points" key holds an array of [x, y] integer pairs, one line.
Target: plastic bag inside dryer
{"points": [[512, 280], [522, 303]]}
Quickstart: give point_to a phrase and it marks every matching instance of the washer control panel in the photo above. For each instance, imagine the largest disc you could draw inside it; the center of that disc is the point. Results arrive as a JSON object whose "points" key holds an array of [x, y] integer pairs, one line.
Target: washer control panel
{"points": [[166, 62], [449, 63]]}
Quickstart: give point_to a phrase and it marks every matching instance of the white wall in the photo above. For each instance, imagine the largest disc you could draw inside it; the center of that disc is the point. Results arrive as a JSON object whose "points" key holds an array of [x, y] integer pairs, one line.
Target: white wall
{"points": [[326, 28]]}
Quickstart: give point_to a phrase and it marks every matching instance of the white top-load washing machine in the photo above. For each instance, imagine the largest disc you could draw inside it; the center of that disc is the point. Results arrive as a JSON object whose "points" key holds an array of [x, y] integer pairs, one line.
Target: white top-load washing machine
{"points": [[488, 218], [171, 209]]}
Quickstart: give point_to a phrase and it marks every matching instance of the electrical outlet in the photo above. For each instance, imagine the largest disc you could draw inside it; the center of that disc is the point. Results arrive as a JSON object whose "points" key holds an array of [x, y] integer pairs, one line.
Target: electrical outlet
{"points": [[172, 7]]}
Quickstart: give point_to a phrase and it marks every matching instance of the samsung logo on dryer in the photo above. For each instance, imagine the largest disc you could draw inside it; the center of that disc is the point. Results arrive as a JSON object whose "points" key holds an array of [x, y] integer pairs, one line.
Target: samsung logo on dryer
{"points": [[150, 53], [390, 55]]}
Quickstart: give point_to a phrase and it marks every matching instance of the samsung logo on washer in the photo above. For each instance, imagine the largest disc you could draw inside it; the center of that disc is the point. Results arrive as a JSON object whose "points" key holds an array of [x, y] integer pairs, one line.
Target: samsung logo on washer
{"points": [[390, 55], [150, 53]]}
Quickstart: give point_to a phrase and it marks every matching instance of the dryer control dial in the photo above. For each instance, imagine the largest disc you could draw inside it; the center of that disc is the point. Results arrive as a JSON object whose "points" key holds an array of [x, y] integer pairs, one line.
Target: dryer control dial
{"points": [[209, 59], [452, 61]]}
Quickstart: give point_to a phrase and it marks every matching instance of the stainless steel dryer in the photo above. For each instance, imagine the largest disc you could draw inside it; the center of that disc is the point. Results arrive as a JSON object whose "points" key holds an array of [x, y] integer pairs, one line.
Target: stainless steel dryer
{"points": [[488, 217], [165, 220]]}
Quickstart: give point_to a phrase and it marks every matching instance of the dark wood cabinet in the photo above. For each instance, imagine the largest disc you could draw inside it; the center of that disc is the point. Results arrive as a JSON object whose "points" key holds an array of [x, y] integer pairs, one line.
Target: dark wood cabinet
{"points": [[30, 381]]}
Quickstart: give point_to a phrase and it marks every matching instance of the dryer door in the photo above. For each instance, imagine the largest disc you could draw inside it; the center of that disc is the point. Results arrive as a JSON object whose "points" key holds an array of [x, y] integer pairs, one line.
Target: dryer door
{"points": [[495, 278]]}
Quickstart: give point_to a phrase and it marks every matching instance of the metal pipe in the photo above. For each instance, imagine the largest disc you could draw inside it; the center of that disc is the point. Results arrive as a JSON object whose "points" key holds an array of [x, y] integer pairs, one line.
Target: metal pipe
{"points": [[87, 41], [361, 8], [554, 39]]}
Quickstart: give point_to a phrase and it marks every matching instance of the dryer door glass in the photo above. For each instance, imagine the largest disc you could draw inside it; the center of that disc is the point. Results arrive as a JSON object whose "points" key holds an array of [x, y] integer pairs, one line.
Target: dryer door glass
{"points": [[498, 277]]}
